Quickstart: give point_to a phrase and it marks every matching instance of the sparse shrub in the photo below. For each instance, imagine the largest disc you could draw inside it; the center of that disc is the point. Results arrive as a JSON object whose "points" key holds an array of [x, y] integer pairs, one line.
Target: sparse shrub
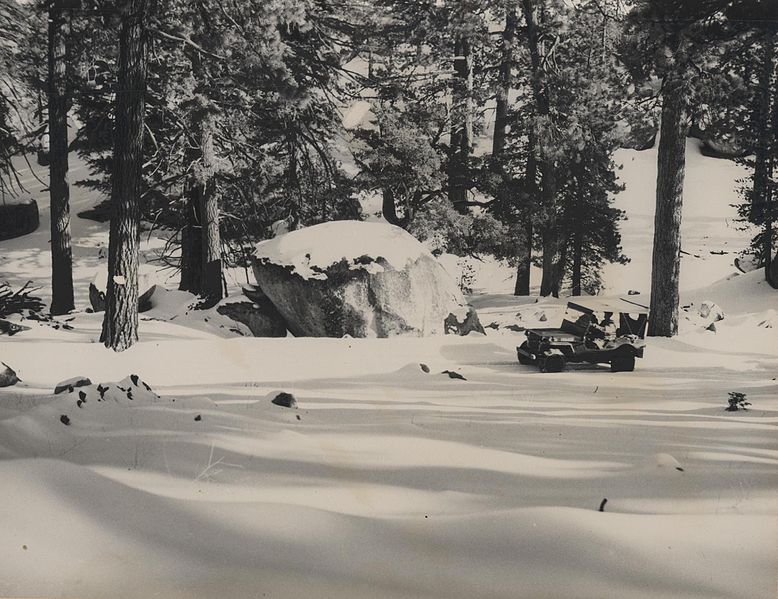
{"points": [[15, 302], [737, 401]]}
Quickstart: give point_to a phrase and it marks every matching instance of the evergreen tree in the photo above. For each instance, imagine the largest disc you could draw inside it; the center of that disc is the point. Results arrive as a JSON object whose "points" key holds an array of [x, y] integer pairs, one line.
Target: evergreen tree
{"points": [[59, 188], [669, 37], [120, 324]]}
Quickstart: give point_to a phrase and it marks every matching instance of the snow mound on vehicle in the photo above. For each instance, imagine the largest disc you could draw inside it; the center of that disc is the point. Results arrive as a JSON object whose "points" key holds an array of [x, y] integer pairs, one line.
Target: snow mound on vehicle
{"points": [[310, 251]]}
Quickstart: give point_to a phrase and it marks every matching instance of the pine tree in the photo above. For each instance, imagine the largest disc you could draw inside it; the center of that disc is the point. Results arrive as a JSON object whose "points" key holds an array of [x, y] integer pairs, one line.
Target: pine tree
{"points": [[120, 324], [669, 37], [59, 189]]}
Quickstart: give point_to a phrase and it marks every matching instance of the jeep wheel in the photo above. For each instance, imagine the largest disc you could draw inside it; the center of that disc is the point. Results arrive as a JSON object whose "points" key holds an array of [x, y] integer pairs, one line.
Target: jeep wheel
{"points": [[552, 363], [623, 362], [523, 359]]}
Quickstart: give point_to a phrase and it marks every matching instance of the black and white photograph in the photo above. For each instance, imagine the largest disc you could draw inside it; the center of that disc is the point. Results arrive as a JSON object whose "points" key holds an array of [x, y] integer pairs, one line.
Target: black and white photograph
{"points": [[389, 299]]}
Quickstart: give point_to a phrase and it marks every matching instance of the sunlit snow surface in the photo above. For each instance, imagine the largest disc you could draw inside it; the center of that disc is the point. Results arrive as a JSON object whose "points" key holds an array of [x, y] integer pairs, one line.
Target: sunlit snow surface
{"points": [[389, 481]]}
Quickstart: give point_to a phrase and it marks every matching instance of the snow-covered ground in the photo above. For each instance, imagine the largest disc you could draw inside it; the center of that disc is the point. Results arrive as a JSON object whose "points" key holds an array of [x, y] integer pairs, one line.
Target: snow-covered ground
{"points": [[389, 481]]}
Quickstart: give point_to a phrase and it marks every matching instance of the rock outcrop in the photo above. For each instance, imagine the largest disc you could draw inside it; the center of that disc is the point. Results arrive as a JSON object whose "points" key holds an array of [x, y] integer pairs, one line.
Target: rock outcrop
{"points": [[18, 218], [362, 280]]}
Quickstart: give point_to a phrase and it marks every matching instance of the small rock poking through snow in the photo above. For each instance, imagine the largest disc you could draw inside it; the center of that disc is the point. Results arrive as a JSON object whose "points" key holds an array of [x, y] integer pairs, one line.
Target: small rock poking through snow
{"points": [[8, 377], [710, 310], [285, 400], [129, 389], [665, 461], [70, 384], [454, 375]]}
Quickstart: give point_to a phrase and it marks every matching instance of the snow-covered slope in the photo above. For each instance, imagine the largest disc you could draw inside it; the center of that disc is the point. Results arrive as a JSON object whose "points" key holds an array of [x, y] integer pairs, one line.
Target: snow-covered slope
{"points": [[711, 235], [392, 479]]}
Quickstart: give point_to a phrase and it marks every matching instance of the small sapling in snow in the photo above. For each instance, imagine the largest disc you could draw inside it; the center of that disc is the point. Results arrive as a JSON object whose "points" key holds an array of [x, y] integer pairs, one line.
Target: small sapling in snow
{"points": [[737, 401]]}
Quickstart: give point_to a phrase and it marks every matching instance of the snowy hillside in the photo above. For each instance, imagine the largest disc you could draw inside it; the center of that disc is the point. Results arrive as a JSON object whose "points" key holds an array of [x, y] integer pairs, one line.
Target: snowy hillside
{"points": [[391, 478]]}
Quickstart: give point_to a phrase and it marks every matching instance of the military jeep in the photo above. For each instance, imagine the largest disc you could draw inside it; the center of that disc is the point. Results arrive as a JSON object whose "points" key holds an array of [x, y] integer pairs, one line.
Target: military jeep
{"points": [[588, 333]]}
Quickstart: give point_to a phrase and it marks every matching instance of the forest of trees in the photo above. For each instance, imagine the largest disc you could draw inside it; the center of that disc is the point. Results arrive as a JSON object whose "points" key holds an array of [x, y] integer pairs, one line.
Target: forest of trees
{"points": [[491, 129]]}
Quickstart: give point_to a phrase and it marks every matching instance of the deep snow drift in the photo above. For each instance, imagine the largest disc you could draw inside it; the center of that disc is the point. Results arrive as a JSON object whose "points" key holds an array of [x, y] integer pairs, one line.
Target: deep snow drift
{"points": [[392, 479]]}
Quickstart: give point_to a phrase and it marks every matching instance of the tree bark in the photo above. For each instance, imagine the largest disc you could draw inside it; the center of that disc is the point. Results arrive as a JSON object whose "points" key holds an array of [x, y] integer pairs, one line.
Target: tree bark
{"points": [[504, 90], [209, 211], [192, 239], [761, 189], [120, 324], [59, 190], [499, 138], [767, 232], [666, 260], [552, 255], [461, 125], [531, 192], [577, 259]]}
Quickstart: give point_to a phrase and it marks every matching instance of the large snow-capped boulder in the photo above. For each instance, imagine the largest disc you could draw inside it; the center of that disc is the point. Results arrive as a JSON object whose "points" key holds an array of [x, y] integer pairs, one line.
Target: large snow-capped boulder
{"points": [[360, 279]]}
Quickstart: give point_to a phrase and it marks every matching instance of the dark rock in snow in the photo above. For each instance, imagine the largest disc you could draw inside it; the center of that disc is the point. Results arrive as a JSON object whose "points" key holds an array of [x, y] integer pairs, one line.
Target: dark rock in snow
{"points": [[640, 138], [285, 400], [96, 298], [722, 148], [64, 420], [261, 317], [424, 368], [101, 213], [711, 327], [144, 301], [18, 218], [454, 375], [11, 328], [8, 377], [462, 326], [70, 384], [198, 418], [543, 317]]}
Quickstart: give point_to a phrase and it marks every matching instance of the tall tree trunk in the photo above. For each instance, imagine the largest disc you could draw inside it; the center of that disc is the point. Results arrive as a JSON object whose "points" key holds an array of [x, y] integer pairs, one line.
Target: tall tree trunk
{"points": [[760, 188], [209, 211], [553, 265], [769, 197], [552, 255], [59, 190], [499, 137], [461, 125], [191, 237], [524, 267], [120, 324], [577, 259], [503, 93], [666, 261], [389, 208], [530, 195]]}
